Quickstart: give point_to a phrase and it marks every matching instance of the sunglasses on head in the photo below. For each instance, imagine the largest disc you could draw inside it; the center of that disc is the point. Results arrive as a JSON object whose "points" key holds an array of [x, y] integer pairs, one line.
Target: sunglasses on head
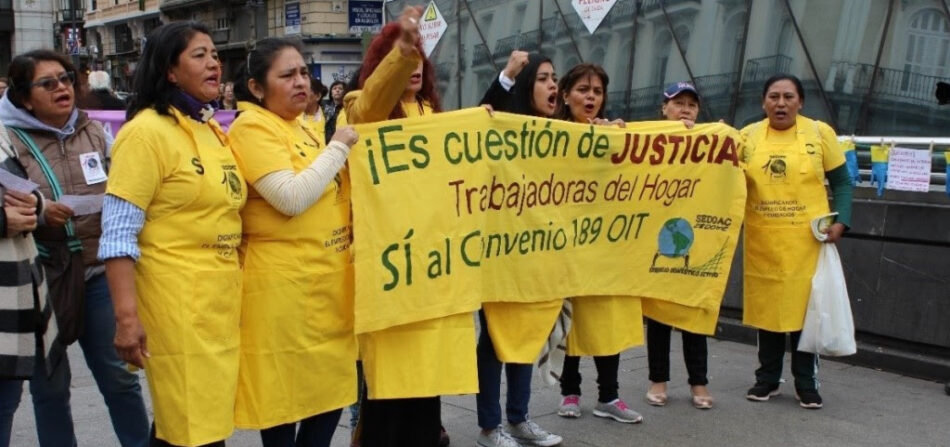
{"points": [[51, 84]]}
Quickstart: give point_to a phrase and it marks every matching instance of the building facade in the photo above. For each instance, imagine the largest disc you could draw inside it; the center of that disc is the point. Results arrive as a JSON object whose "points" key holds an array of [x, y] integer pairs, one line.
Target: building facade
{"points": [[727, 47], [24, 25], [115, 33]]}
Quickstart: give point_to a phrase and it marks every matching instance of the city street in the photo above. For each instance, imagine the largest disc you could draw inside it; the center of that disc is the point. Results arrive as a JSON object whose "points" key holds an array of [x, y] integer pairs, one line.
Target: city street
{"points": [[863, 407]]}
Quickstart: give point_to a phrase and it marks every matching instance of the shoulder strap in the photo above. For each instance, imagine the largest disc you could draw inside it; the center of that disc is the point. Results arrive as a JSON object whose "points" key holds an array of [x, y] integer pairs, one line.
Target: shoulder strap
{"points": [[74, 243]]}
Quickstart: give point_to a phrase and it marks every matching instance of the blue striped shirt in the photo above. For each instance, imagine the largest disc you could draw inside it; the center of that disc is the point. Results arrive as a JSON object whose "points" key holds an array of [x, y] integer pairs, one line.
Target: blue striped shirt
{"points": [[121, 223]]}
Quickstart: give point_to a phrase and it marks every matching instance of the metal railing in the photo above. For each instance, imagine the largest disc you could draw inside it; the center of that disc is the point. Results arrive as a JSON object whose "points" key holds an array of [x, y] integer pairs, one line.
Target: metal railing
{"points": [[480, 54], [896, 84], [938, 175], [762, 68], [711, 86]]}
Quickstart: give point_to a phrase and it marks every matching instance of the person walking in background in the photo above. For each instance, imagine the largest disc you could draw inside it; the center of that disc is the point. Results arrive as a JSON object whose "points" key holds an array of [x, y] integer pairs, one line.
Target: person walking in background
{"points": [[65, 153], [313, 115], [99, 95], [333, 107], [789, 157], [680, 103], [601, 326], [298, 348], [29, 341], [228, 101], [171, 230], [512, 334]]}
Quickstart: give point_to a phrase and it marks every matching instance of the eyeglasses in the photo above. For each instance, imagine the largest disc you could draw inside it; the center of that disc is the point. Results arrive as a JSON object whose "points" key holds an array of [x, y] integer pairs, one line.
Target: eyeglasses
{"points": [[51, 84]]}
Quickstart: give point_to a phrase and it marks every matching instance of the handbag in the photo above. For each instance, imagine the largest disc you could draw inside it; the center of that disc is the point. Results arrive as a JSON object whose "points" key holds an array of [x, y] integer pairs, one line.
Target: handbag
{"points": [[62, 261], [829, 325]]}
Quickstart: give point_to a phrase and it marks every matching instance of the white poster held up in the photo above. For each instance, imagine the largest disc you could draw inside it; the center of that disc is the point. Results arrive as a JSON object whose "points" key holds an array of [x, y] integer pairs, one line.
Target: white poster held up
{"points": [[908, 170], [432, 27], [592, 12]]}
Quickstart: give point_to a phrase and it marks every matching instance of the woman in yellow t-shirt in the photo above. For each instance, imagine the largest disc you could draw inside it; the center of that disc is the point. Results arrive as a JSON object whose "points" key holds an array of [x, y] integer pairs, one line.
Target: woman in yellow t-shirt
{"points": [[789, 157], [298, 351], [407, 367], [171, 227]]}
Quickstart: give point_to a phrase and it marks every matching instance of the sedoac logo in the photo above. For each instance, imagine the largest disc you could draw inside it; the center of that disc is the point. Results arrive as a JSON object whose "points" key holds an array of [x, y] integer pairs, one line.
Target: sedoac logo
{"points": [[674, 241]]}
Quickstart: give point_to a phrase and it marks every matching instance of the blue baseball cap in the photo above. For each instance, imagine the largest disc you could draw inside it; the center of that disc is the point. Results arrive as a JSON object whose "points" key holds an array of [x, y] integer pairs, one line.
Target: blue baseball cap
{"points": [[674, 90]]}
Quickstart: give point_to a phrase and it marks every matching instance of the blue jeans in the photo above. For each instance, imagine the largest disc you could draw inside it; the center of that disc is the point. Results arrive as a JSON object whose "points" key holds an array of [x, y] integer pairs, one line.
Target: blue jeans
{"points": [[489, 384], [54, 421], [120, 388]]}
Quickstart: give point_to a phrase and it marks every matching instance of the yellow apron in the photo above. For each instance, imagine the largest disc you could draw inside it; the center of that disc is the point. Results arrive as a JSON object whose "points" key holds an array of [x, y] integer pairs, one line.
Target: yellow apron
{"points": [[298, 349], [785, 191], [189, 296], [423, 359], [604, 325], [519, 330]]}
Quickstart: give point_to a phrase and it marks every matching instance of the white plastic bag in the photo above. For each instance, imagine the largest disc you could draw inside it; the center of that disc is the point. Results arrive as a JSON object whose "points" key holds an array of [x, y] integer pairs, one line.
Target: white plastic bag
{"points": [[829, 326]]}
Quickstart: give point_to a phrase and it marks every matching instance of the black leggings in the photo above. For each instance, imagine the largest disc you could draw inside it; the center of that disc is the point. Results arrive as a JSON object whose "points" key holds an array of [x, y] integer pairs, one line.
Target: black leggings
{"points": [[607, 367], [155, 442], [658, 354], [400, 422]]}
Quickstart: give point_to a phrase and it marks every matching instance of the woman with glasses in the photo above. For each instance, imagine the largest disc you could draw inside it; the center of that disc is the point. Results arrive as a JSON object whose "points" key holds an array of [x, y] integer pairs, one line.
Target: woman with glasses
{"points": [[171, 230], [65, 152]]}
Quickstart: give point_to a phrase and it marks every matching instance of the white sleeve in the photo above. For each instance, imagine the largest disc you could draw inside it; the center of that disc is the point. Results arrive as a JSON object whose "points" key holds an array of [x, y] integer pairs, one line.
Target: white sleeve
{"points": [[292, 194], [506, 82]]}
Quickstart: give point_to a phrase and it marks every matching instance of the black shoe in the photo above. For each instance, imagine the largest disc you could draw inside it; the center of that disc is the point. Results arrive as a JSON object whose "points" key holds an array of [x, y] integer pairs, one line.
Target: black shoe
{"points": [[444, 440], [762, 391], [946, 388], [809, 399]]}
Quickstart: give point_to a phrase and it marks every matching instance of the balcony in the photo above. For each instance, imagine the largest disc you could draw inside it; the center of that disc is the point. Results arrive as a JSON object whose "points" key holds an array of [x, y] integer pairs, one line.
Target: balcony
{"points": [[524, 41], [650, 6], [70, 15], [762, 68], [897, 85], [712, 86], [480, 55]]}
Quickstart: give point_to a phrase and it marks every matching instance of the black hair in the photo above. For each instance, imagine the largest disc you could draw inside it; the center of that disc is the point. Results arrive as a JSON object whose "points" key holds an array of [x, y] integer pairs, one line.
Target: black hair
{"points": [[23, 68], [258, 63], [317, 87], [785, 77], [150, 83], [352, 84], [573, 77], [522, 94]]}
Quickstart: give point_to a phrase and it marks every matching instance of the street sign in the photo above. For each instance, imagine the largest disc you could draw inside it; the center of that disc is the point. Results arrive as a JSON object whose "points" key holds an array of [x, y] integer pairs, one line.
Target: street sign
{"points": [[432, 27], [592, 12], [292, 18], [365, 16]]}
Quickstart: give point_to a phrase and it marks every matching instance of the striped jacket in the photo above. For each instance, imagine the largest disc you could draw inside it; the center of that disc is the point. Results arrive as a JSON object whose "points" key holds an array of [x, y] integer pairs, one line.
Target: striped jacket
{"points": [[27, 325]]}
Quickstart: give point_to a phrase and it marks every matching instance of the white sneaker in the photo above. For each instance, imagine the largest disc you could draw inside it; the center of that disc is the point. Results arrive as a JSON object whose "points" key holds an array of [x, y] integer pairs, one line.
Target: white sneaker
{"points": [[530, 433], [496, 438]]}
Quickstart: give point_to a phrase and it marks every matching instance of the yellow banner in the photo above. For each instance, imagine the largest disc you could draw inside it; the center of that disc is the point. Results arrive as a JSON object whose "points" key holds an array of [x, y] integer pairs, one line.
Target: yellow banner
{"points": [[461, 208]]}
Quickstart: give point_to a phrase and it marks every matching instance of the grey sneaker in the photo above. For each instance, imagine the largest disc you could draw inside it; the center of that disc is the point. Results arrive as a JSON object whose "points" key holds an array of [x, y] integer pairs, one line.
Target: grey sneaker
{"points": [[570, 407], [496, 438], [530, 433], [618, 411]]}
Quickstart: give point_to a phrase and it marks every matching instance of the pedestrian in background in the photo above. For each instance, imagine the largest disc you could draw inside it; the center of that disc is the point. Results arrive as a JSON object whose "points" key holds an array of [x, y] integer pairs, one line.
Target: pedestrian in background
{"points": [[65, 153], [28, 331]]}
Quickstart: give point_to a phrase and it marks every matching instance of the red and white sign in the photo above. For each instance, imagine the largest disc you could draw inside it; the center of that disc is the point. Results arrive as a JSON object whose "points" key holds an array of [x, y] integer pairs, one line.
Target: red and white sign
{"points": [[592, 12], [432, 27]]}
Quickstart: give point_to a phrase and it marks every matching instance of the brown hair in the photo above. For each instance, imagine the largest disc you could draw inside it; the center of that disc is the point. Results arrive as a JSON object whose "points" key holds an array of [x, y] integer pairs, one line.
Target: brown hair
{"points": [[23, 68]]}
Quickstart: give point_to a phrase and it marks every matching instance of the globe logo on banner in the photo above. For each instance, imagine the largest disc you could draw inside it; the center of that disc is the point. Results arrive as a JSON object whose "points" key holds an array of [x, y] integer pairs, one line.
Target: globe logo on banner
{"points": [[592, 12], [675, 238], [432, 28]]}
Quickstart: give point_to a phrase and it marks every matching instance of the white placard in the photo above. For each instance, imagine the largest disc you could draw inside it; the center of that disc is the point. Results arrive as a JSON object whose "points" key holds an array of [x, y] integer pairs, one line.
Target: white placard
{"points": [[15, 183], [432, 27], [908, 170], [592, 12]]}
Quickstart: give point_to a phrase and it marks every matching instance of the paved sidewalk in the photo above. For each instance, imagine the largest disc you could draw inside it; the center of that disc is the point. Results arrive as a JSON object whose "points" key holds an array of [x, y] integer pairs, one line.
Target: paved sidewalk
{"points": [[863, 407]]}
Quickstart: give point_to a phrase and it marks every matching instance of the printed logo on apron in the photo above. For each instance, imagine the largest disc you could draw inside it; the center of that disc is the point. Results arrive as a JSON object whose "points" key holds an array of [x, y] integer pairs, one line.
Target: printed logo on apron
{"points": [[775, 168]]}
